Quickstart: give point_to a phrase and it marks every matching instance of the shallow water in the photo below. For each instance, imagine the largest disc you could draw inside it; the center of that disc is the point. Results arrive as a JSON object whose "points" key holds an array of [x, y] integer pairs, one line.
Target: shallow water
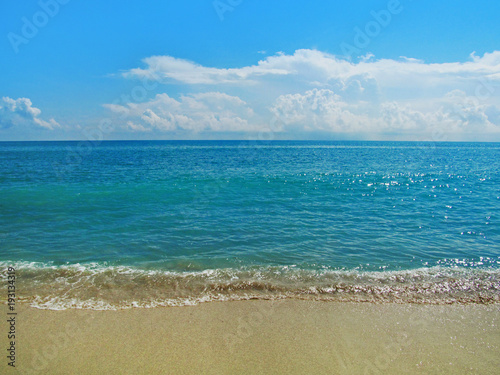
{"points": [[123, 224]]}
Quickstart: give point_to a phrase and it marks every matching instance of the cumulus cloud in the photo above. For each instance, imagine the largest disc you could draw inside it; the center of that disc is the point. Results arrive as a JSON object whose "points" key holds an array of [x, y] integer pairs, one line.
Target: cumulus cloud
{"points": [[324, 110], [212, 111], [20, 112], [314, 66], [313, 91], [316, 110]]}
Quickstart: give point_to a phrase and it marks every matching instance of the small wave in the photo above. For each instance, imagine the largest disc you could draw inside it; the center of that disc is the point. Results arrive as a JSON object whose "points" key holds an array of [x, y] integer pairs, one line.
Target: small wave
{"points": [[103, 287]]}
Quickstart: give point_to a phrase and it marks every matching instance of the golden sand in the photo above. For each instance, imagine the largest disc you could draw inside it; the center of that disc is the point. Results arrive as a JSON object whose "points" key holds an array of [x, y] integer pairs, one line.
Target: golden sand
{"points": [[258, 337]]}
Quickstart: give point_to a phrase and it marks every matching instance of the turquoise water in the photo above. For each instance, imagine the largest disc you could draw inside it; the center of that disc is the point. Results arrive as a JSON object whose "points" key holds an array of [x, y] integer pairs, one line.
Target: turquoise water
{"points": [[119, 224]]}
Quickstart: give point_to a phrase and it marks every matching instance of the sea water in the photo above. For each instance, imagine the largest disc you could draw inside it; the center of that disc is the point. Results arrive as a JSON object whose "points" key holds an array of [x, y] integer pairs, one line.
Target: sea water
{"points": [[109, 225]]}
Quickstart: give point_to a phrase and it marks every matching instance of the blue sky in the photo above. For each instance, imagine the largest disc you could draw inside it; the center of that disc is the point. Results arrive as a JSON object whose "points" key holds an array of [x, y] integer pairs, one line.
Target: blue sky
{"points": [[231, 69]]}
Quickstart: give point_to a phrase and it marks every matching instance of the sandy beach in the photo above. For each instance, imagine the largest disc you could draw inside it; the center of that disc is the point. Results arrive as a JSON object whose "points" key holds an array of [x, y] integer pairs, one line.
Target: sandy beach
{"points": [[236, 187], [259, 337]]}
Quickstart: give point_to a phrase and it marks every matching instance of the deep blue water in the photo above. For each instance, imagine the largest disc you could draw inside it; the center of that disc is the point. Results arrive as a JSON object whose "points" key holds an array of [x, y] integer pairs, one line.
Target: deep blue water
{"points": [[195, 206]]}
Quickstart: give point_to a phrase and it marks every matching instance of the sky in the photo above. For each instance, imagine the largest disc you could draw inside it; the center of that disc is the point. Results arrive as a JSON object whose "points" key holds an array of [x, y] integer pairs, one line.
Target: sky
{"points": [[414, 70]]}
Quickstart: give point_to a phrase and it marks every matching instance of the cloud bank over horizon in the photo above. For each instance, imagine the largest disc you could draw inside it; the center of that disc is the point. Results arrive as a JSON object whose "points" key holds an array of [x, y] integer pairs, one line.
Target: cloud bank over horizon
{"points": [[314, 92], [305, 95], [284, 70], [212, 111]]}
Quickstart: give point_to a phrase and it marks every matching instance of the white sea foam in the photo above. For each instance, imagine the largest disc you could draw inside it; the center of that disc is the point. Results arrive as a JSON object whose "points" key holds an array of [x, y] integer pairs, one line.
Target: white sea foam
{"points": [[104, 287]]}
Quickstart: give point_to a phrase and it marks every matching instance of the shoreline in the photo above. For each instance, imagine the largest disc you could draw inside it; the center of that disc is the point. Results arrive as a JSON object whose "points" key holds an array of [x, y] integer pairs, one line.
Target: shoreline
{"points": [[99, 286], [258, 336]]}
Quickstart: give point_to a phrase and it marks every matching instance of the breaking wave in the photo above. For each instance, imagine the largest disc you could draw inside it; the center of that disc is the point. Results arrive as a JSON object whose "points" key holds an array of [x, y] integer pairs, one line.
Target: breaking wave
{"points": [[101, 287]]}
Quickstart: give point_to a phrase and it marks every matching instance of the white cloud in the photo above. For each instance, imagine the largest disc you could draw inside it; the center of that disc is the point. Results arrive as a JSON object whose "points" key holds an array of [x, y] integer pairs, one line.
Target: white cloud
{"points": [[312, 91], [20, 112], [454, 115], [213, 111], [312, 66], [323, 110], [171, 69], [316, 110]]}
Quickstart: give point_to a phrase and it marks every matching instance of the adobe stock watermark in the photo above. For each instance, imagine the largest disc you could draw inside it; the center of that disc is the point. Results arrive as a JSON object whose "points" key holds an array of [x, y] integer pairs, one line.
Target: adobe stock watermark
{"points": [[32, 25], [364, 36], [248, 325], [210, 191], [57, 343], [484, 90], [95, 135], [223, 6], [389, 348]]}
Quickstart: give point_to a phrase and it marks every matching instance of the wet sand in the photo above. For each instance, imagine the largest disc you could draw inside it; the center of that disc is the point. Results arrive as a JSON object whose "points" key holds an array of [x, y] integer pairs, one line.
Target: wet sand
{"points": [[258, 337]]}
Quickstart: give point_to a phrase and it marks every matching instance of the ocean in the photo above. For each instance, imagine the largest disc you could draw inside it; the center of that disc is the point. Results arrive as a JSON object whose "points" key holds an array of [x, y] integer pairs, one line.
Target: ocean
{"points": [[119, 224]]}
